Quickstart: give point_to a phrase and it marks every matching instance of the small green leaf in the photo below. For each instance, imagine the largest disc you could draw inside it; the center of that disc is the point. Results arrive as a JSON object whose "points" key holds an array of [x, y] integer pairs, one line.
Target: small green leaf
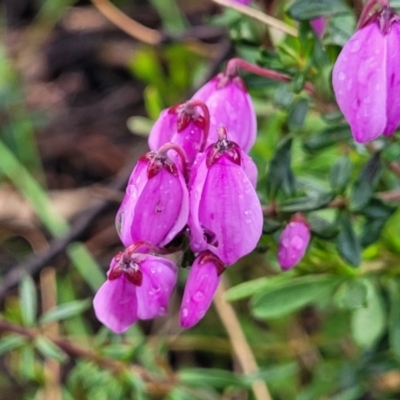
{"points": [[298, 111], [363, 186], [306, 9], [391, 152], [340, 174], [27, 292], [9, 343], [217, 378], [64, 311], [393, 287], [306, 203], [280, 174], [372, 230], [328, 137], [49, 350], [368, 324], [352, 295], [279, 300], [376, 208], [347, 242], [322, 228], [270, 226]]}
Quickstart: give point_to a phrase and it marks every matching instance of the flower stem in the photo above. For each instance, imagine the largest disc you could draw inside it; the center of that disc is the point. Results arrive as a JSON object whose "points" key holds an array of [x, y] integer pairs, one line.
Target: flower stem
{"points": [[181, 153], [235, 63], [364, 17]]}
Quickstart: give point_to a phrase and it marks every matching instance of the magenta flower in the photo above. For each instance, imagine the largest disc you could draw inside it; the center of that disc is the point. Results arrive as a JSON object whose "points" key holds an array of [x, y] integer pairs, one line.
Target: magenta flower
{"points": [[366, 78], [230, 105], [244, 2], [138, 287], [293, 243], [155, 207], [319, 25], [183, 125], [225, 212], [201, 285]]}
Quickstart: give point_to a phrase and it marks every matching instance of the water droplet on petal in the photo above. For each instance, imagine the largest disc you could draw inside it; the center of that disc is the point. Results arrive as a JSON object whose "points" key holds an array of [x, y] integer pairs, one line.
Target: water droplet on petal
{"points": [[341, 76], [162, 311], [198, 296], [185, 312], [297, 242]]}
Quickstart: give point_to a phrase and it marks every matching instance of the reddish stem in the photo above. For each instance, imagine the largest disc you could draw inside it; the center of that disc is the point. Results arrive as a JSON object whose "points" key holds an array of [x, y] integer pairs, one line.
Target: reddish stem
{"points": [[181, 153], [364, 17], [206, 115], [235, 63]]}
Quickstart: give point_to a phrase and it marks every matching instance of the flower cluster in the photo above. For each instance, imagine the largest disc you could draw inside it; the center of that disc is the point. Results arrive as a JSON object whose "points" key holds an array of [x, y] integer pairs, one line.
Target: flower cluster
{"points": [[198, 184]]}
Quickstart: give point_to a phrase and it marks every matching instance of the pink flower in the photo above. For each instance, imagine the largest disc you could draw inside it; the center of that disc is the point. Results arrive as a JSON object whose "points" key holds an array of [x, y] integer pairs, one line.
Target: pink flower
{"points": [[138, 287], [230, 106], [202, 283], [225, 212], [155, 207], [319, 25], [293, 243], [183, 125], [244, 2], [366, 78]]}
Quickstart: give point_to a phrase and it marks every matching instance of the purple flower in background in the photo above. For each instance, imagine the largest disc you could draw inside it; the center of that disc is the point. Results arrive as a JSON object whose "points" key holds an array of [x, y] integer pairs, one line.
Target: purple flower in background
{"points": [[244, 2], [225, 212], [155, 207], [293, 243], [201, 285], [366, 78], [230, 106], [138, 287], [319, 25], [183, 125]]}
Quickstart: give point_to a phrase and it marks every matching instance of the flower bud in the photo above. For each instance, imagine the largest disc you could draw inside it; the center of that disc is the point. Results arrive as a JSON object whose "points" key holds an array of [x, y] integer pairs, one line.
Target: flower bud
{"points": [[293, 243], [319, 25], [155, 207], [201, 285], [138, 287], [225, 212], [366, 78], [230, 106]]}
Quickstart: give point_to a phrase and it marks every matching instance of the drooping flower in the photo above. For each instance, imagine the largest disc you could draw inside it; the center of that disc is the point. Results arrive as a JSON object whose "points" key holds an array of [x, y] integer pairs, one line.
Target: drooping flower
{"points": [[366, 78], [155, 207], [183, 125], [201, 285], [230, 106], [293, 242], [319, 25], [225, 212], [138, 286]]}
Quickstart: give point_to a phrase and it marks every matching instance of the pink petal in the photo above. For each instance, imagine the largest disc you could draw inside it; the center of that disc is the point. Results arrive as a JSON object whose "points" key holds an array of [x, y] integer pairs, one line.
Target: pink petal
{"points": [[393, 79], [293, 244], [115, 304], [202, 283], [229, 212], [159, 279], [360, 84], [230, 106], [163, 129], [319, 24]]}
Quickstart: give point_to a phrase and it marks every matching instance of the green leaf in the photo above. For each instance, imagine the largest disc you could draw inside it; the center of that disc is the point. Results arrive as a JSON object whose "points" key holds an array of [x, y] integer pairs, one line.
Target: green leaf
{"points": [[217, 378], [372, 230], [352, 295], [280, 300], [9, 343], [248, 288], [280, 174], [49, 350], [306, 203], [376, 208], [65, 311], [340, 174], [270, 226], [298, 113], [368, 324], [328, 137], [363, 186], [140, 125], [393, 287], [348, 244], [322, 228], [306, 9], [27, 293]]}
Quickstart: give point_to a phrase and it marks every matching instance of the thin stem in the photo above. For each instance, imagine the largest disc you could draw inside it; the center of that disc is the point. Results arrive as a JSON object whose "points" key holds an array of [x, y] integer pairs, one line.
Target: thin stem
{"points": [[128, 25], [181, 153], [240, 346], [206, 115], [260, 16], [235, 63]]}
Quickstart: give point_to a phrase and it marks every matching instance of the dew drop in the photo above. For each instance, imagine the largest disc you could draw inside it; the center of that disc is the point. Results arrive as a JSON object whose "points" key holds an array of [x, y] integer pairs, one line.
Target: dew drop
{"points": [[198, 296], [297, 242], [341, 76], [162, 311], [185, 312], [355, 46]]}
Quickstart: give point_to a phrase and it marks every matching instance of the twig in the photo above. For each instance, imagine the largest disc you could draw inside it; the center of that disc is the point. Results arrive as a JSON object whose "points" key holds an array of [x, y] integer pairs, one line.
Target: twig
{"points": [[240, 346], [35, 263], [260, 16], [157, 387]]}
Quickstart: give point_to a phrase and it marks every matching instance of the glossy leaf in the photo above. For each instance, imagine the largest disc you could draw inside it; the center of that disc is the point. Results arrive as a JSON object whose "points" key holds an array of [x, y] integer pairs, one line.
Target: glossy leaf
{"points": [[306, 203], [347, 242], [27, 291], [306, 9], [340, 174]]}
